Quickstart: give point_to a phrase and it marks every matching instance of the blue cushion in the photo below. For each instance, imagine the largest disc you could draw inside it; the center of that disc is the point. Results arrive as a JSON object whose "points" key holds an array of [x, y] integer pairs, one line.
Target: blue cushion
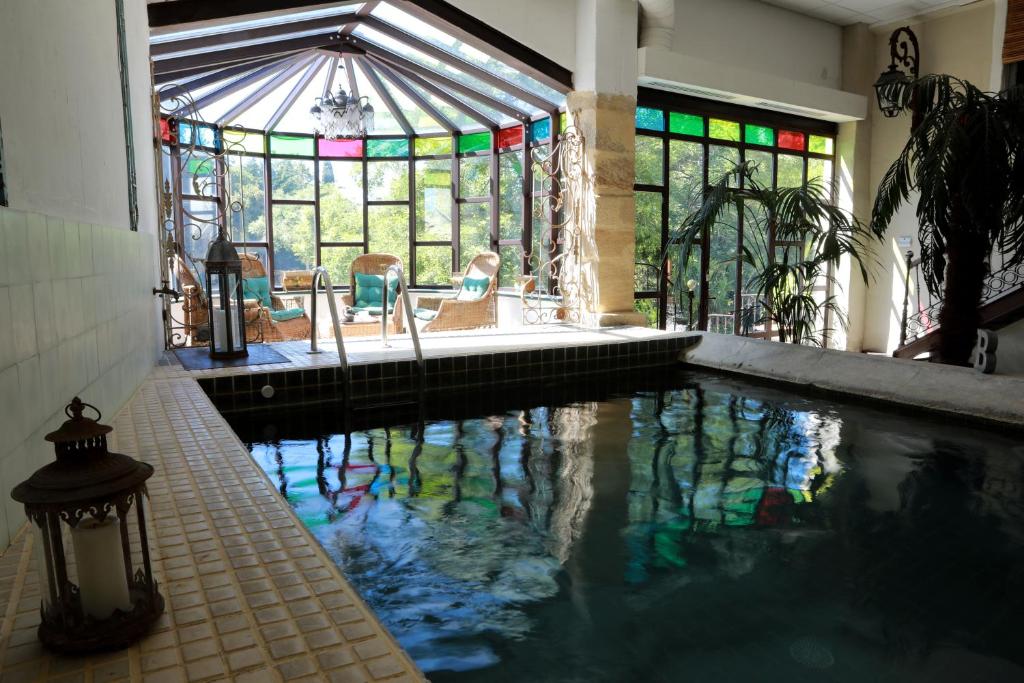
{"points": [[369, 289], [425, 313], [473, 288], [257, 288], [288, 314]]}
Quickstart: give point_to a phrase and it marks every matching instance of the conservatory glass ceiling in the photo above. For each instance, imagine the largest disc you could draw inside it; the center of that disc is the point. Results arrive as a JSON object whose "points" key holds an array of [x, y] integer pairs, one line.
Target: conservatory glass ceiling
{"points": [[264, 74]]}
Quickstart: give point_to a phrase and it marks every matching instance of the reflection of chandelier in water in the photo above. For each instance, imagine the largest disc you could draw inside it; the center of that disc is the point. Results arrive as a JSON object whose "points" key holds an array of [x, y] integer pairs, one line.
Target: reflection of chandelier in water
{"points": [[341, 116]]}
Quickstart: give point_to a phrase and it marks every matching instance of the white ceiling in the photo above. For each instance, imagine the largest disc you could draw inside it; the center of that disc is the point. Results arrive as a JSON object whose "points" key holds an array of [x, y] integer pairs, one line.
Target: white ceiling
{"points": [[845, 12]]}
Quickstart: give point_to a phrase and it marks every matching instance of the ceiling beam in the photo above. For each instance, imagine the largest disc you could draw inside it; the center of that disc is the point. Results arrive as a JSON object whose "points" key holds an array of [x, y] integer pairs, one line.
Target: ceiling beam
{"points": [[242, 35], [451, 84], [233, 87], [293, 94], [490, 41], [445, 96], [191, 11], [278, 80], [350, 70], [418, 99], [361, 14], [389, 101], [173, 90], [329, 82], [239, 67], [236, 54], [455, 62]]}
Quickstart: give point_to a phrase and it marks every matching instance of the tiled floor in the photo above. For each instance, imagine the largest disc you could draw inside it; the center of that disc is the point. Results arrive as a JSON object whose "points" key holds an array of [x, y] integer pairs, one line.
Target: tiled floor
{"points": [[250, 595]]}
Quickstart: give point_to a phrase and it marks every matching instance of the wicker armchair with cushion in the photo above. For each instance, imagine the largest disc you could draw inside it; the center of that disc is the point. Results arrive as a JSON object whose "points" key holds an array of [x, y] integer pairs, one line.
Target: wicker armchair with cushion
{"points": [[284, 318], [472, 306], [366, 281]]}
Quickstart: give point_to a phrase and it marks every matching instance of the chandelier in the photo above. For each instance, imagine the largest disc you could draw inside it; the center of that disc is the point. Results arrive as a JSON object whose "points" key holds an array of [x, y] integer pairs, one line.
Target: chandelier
{"points": [[341, 116]]}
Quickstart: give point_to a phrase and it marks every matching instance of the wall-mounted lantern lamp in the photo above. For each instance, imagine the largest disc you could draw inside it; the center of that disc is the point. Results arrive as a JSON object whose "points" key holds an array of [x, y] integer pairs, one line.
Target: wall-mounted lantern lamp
{"points": [[89, 535], [904, 53]]}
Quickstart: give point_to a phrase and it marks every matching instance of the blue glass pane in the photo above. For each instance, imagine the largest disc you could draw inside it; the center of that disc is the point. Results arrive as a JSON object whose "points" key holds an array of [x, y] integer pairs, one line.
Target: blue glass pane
{"points": [[207, 135], [540, 130], [650, 119]]}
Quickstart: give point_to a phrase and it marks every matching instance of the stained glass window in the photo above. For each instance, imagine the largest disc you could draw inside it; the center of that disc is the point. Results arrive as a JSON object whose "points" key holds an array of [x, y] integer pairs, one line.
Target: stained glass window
{"points": [[724, 130], [242, 141], [650, 119], [433, 146], [540, 130], [789, 139], [820, 144], [685, 124], [476, 142], [204, 136], [291, 144], [759, 135], [340, 148], [387, 148], [510, 137]]}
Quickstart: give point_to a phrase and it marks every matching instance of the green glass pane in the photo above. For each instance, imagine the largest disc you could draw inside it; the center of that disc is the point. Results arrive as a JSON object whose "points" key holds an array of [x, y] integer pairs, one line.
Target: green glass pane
{"points": [[432, 146], [387, 148], [650, 119], [241, 141], [724, 130], [820, 144], [759, 135], [686, 124], [477, 142], [290, 144]]}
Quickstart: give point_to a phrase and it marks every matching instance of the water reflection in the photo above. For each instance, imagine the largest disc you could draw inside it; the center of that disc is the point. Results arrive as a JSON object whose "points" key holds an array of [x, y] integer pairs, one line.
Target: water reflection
{"points": [[696, 532]]}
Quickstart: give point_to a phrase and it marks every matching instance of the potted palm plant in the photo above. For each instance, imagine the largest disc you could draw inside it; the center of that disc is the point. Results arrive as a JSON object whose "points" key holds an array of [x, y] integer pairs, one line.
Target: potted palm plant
{"points": [[797, 238], [962, 161]]}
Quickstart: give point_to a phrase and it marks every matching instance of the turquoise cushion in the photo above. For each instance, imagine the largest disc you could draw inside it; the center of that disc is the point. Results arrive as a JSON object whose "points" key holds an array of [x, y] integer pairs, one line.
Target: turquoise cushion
{"points": [[425, 313], [368, 290], [289, 314], [257, 288], [473, 288]]}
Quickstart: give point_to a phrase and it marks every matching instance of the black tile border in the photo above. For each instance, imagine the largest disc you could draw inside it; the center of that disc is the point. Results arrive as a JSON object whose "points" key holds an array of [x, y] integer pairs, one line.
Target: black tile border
{"points": [[391, 382]]}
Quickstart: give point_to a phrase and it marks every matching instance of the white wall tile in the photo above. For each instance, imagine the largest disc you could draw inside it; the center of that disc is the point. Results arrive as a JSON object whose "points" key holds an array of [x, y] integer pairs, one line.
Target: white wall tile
{"points": [[58, 251], [22, 320], [6, 332], [38, 248], [16, 230], [46, 331], [9, 417]]}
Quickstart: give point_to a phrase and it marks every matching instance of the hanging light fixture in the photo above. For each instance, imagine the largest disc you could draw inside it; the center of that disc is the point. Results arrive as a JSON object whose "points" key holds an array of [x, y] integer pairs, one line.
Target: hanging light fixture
{"points": [[341, 115]]}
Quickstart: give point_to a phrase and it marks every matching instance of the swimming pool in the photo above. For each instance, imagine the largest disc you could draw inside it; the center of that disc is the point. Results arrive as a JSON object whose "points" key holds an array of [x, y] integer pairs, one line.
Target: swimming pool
{"points": [[696, 527]]}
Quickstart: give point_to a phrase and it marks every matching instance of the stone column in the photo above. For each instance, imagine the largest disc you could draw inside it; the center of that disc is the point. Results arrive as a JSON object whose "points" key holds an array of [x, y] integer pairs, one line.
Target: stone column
{"points": [[603, 109]]}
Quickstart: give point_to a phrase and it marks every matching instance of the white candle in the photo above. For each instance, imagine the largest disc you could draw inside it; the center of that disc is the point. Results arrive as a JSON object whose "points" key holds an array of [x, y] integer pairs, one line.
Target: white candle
{"points": [[39, 550], [102, 583]]}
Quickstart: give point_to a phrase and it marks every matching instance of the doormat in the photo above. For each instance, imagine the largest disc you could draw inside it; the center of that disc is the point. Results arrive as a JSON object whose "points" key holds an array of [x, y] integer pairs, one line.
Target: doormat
{"points": [[198, 358]]}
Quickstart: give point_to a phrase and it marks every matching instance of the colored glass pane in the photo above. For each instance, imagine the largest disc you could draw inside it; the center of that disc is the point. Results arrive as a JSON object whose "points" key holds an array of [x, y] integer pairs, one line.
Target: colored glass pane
{"points": [[759, 135], [650, 119], [819, 144], [204, 136], [340, 148], [291, 144], [476, 142], [685, 124], [165, 131], [724, 130], [387, 148], [540, 130], [241, 141], [510, 137], [431, 146], [563, 122], [789, 139]]}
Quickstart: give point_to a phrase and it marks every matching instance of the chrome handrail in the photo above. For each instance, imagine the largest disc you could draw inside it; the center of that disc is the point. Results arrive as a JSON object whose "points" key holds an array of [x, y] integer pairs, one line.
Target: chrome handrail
{"points": [[407, 305], [320, 273]]}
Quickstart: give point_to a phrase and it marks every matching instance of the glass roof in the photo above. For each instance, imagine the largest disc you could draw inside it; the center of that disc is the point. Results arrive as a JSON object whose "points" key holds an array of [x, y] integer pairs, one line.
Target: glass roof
{"points": [[396, 60]]}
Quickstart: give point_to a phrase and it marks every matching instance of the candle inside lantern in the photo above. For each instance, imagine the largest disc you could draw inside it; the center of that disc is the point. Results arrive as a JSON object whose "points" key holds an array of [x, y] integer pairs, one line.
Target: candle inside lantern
{"points": [[220, 330], [102, 583], [42, 568]]}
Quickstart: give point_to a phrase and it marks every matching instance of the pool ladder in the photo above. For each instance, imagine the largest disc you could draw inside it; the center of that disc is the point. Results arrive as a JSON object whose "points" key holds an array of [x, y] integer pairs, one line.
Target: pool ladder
{"points": [[320, 273], [409, 315]]}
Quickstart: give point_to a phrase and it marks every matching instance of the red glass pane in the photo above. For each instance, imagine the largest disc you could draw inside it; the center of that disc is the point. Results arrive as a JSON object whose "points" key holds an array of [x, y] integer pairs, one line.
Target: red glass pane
{"points": [[341, 148], [789, 139], [166, 131], [510, 137]]}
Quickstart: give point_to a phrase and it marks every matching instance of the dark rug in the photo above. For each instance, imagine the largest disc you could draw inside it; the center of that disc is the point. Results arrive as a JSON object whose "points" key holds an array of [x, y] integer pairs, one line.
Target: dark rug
{"points": [[198, 358]]}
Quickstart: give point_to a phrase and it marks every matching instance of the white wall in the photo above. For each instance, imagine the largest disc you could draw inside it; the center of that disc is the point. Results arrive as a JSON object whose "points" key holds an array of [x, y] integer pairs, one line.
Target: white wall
{"points": [[76, 313]]}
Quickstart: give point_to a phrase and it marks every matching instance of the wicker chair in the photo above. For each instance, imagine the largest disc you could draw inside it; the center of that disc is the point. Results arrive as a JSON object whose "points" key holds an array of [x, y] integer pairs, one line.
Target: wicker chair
{"points": [[374, 264], [463, 311], [195, 310], [276, 330]]}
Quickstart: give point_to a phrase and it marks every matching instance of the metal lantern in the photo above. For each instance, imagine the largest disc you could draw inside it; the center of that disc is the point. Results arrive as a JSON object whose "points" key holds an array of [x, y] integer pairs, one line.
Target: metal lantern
{"points": [[96, 579], [903, 69], [224, 288]]}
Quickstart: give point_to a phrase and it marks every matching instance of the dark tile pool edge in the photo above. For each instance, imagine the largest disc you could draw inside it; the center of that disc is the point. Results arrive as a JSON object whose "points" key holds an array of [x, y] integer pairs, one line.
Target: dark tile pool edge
{"points": [[381, 384]]}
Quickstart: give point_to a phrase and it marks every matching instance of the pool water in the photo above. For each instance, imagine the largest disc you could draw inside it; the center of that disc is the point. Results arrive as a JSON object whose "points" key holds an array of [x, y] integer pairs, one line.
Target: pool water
{"points": [[712, 530]]}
